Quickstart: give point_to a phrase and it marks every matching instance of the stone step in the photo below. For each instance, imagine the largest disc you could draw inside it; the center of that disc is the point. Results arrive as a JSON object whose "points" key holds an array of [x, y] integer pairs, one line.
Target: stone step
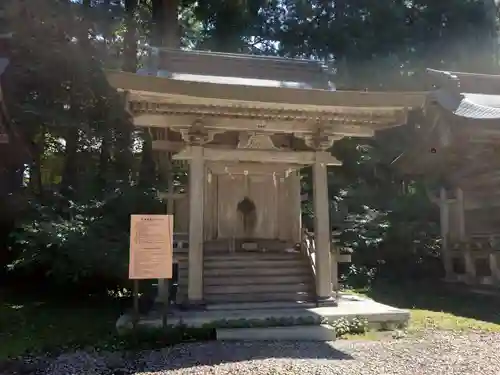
{"points": [[320, 333], [260, 297], [258, 280], [225, 244], [254, 255], [256, 272], [261, 306], [254, 263], [251, 267], [251, 279], [256, 288]]}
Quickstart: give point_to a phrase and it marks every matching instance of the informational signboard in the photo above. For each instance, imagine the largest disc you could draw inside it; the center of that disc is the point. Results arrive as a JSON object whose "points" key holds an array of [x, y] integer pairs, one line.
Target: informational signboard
{"points": [[151, 246]]}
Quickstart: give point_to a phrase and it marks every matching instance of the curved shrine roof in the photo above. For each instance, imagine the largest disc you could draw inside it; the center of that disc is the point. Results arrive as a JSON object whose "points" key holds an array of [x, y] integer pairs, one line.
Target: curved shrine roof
{"points": [[467, 95], [159, 90], [278, 94], [468, 105]]}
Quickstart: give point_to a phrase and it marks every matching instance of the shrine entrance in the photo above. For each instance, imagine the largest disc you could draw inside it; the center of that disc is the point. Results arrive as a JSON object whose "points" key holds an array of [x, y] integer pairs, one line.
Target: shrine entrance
{"points": [[247, 207], [254, 206]]}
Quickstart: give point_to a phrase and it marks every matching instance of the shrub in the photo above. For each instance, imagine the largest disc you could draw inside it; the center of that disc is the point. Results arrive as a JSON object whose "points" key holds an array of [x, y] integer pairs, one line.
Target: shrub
{"points": [[78, 243], [358, 277], [355, 326]]}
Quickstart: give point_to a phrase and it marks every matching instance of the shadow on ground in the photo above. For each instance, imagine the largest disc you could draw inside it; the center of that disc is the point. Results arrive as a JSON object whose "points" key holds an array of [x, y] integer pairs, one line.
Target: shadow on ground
{"points": [[217, 353], [37, 324], [439, 297]]}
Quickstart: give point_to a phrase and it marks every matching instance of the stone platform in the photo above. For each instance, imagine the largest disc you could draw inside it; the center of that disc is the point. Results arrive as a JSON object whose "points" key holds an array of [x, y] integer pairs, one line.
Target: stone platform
{"points": [[349, 306]]}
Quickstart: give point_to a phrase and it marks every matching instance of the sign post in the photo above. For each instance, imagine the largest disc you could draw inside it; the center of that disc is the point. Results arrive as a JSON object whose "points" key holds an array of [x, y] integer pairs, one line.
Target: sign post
{"points": [[151, 252]]}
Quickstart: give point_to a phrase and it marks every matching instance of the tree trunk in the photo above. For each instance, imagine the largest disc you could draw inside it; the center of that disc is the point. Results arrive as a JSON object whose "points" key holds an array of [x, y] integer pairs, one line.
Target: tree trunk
{"points": [[70, 171], [104, 158], [156, 23], [130, 39], [491, 10], [69, 176], [35, 177], [171, 36], [165, 33], [124, 156], [164, 17]]}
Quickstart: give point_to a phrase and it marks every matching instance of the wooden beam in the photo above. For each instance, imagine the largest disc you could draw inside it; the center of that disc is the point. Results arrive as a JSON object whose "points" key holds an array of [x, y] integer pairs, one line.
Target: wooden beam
{"points": [[260, 156], [238, 168], [243, 124], [172, 146], [176, 146]]}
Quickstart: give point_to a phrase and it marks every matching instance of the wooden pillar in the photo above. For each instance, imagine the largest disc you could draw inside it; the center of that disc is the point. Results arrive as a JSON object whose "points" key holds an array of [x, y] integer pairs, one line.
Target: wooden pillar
{"points": [[163, 285], [322, 232], [335, 271], [196, 203], [470, 268], [461, 214], [445, 229], [296, 207], [494, 267]]}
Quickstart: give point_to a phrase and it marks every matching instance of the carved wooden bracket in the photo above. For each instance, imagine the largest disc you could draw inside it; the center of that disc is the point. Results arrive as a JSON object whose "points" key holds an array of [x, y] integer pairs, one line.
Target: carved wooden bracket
{"points": [[319, 140], [256, 141], [197, 133]]}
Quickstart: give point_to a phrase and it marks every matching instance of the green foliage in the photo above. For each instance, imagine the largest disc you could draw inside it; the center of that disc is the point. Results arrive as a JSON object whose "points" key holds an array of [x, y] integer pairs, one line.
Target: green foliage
{"points": [[357, 276], [354, 326], [388, 221], [72, 242]]}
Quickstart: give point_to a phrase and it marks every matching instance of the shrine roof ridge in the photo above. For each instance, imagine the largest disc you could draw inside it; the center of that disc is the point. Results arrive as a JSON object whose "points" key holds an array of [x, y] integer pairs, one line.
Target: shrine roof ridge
{"points": [[240, 56], [205, 63]]}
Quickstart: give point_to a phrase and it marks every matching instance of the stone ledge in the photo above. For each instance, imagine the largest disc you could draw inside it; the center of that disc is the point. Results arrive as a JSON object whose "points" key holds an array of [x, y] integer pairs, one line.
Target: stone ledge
{"points": [[321, 332]]}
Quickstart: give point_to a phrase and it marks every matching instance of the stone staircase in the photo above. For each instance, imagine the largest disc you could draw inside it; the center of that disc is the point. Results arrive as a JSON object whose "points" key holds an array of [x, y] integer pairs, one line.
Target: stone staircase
{"points": [[250, 279]]}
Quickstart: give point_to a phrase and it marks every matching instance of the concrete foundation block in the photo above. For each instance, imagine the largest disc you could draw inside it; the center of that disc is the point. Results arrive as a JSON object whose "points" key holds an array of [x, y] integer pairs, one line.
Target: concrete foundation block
{"points": [[321, 332]]}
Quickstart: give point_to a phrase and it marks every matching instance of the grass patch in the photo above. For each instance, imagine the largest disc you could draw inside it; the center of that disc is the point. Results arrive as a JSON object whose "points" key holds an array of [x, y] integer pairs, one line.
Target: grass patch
{"points": [[30, 325], [425, 319], [440, 307]]}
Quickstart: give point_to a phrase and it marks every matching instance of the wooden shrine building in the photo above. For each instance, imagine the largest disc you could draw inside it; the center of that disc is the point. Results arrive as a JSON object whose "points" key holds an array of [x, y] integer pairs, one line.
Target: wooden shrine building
{"points": [[456, 149], [246, 126]]}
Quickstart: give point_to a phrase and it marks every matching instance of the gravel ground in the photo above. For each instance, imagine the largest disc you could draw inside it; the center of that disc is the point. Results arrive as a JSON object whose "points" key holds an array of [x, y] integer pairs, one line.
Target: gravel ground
{"points": [[433, 353]]}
